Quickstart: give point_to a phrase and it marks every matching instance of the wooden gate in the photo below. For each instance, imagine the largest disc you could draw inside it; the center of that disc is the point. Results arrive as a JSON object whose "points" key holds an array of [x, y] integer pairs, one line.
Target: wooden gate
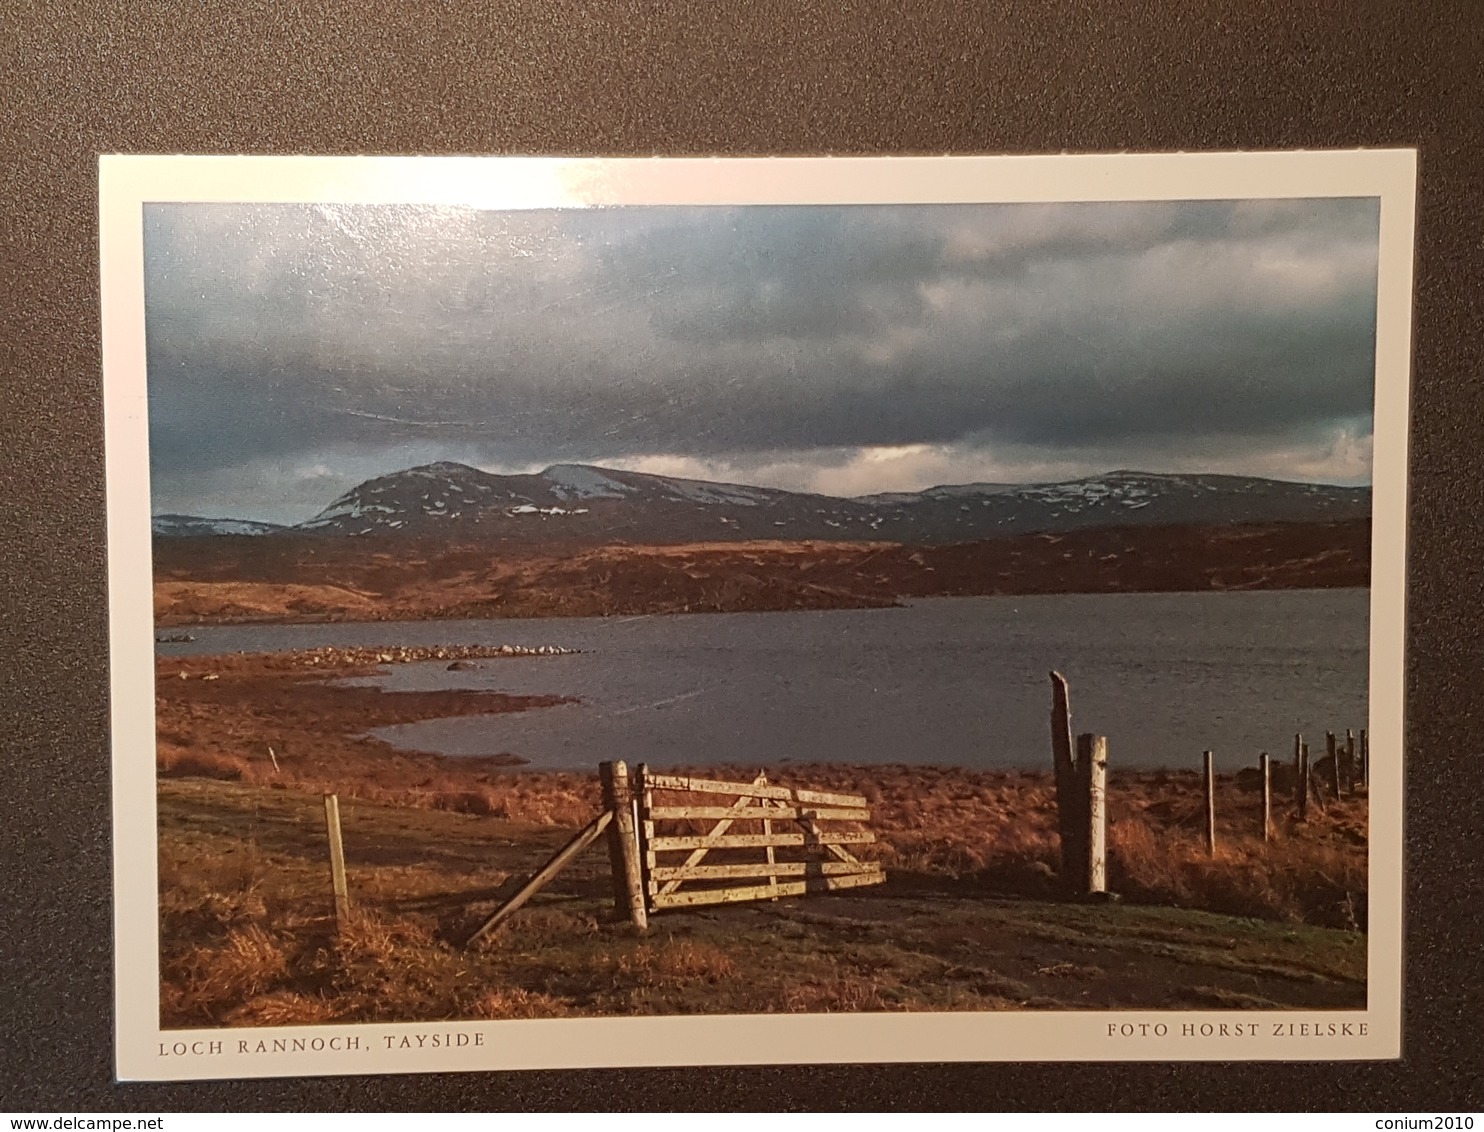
{"points": [[798, 834], [765, 842]]}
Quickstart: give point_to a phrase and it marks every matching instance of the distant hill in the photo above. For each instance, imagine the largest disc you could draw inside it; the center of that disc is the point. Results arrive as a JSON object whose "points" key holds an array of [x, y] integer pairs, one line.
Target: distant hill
{"points": [[582, 504], [305, 578], [193, 526]]}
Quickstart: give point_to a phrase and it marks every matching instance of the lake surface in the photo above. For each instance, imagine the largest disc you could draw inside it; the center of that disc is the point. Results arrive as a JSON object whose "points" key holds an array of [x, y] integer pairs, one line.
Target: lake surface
{"points": [[945, 680]]}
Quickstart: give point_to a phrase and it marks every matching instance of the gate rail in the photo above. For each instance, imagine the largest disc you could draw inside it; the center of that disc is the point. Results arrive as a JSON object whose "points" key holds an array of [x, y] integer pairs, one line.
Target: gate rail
{"points": [[815, 846]]}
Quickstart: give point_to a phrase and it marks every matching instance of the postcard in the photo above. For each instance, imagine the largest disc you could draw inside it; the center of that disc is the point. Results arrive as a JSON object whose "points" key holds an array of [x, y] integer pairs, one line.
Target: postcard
{"points": [[573, 613]]}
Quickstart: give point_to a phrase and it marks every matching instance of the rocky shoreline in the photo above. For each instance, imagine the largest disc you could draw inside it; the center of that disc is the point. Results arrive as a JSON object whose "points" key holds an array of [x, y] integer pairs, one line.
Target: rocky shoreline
{"points": [[330, 657]]}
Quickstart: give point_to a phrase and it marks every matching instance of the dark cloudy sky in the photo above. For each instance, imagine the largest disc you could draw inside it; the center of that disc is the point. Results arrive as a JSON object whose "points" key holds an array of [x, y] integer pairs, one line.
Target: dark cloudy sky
{"points": [[295, 350]]}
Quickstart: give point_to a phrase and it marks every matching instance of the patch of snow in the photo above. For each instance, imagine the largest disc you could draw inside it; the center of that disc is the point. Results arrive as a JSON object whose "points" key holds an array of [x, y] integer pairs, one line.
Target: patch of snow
{"points": [[351, 507], [578, 481], [191, 525]]}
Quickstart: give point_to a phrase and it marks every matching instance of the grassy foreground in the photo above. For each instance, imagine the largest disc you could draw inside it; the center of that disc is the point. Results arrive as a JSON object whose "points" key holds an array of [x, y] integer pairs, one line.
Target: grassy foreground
{"points": [[249, 938]]}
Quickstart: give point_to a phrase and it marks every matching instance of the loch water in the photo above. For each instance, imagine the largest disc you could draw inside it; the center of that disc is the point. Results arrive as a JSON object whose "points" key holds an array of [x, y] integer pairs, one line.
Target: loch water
{"points": [[959, 681]]}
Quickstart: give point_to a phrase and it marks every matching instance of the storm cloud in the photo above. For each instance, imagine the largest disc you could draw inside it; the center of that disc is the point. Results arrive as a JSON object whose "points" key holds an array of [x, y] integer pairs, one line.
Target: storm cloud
{"points": [[297, 349]]}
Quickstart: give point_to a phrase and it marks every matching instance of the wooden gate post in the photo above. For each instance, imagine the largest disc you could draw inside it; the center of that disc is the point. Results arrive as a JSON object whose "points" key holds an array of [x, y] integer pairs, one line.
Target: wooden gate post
{"points": [[1092, 765], [1265, 766], [623, 844], [644, 827], [1071, 792], [337, 861], [615, 845], [1210, 761]]}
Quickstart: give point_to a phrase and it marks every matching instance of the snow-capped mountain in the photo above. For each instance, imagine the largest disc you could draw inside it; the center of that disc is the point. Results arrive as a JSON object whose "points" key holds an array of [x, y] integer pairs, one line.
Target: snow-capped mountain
{"points": [[1125, 498], [192, 526], [581, 503], [439, 496]]}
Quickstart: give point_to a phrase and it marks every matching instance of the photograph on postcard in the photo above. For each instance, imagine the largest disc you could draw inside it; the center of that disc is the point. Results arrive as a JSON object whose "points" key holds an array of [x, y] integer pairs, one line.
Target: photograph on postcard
{"points": [[732, 602]]}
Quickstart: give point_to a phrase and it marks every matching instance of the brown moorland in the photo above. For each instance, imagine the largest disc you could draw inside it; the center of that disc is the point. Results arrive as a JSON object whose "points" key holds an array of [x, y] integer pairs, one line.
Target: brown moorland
{"points": [[306, 578], [969, 918]]}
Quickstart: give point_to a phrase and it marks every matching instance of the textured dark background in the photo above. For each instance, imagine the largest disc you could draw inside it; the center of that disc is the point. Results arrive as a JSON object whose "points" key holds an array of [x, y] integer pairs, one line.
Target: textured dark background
{"points": [[834, 76]]}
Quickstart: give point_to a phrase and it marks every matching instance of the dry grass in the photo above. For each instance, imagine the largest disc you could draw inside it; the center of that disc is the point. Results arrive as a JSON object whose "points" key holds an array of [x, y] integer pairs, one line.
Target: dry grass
{"points": [[248, 938], [245, 964], [846, 993], [186, 602], [675, 961], [539, 799], [1295, 879], [514, 1002], [282, 1008], [172, 761], [998, 831]]}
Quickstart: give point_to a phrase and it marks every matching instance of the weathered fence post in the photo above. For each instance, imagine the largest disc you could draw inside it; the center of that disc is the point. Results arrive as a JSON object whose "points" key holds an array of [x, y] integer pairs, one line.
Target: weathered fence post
{"points": [[1303, 779], [1265, 766], [1365, 761], [337, 861], [1332, 752], [1311, 783], [623, 843], [1092, 764], [1298, 771], [1349, 761], [1071, 795], [1210, 761]]}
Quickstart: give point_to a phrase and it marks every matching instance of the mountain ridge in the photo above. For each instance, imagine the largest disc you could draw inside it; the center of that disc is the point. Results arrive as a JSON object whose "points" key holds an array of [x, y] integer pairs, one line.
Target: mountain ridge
{"points": [[588, 503]]}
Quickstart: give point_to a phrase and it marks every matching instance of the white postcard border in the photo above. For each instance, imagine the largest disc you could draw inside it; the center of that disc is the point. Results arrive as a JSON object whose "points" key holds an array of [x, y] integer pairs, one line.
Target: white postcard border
{"points": [[145, 1052]]}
